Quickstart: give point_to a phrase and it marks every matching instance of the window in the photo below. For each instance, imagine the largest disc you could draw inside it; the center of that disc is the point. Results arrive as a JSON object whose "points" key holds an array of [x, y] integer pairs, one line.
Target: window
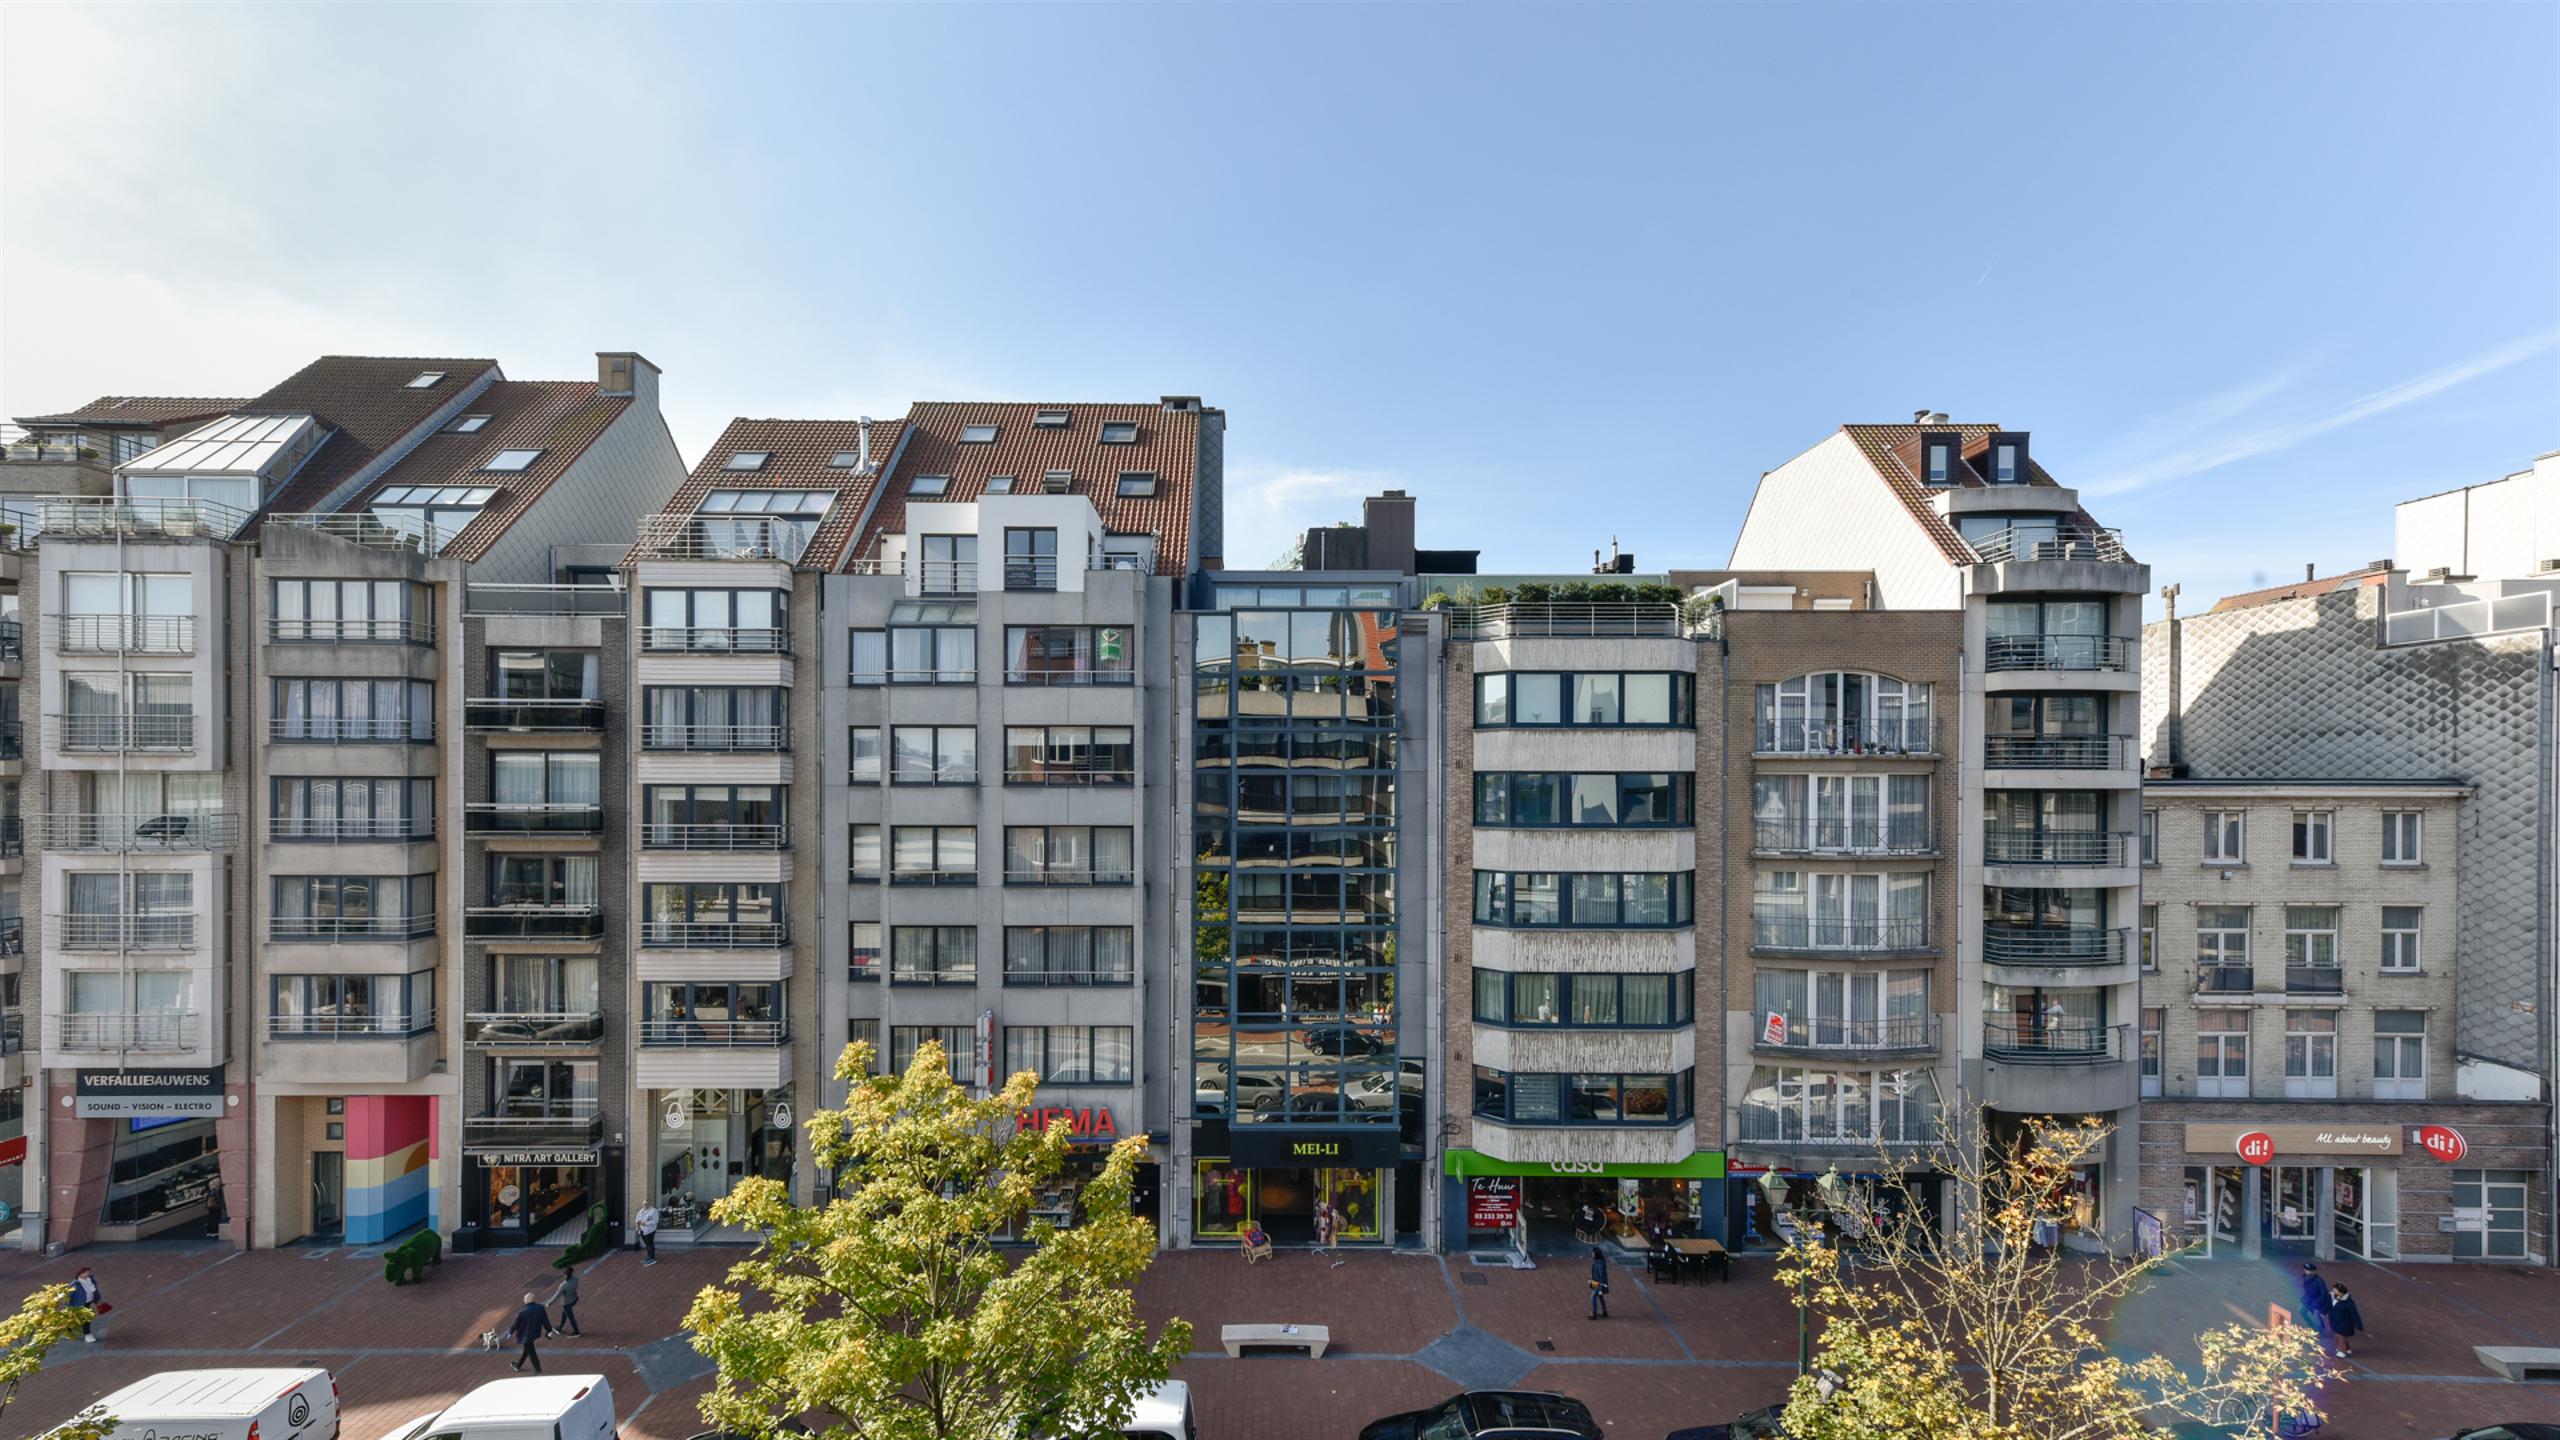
{"points": [[712, 817], [1030, 559], [977, 434], [548, 880], [959, 1048], [1000, 485], [333, 907], [469, 425], [1057, 482], [713, 915], [752, 621], [1069, 955], [929, 485], [1584, 1099], [2402, 831], [2048, 634], [1525, 698], [844, 460], [1069, 755], [916, 655], [1068, 855], [746, 460], [713, 1014], [933, 855], [351, 808], [1823, 910], [1583, 1000], [131, 710], [864, 844], [2150, 837], [2311, 1054], [145, 910], [542, 790], [2151, 939], [862, 749], [1835, 1107], [2399, 1054], [1590, 900], [2500, 1196], [1546, 798], [1843, 712], [512, 460], [544, 675], [2401, 928], [2222, 1054], [947, 564], [2222, 935], [426, 381], [1940, 462], [933, 955], [933, 755], [865, 1033], [341, 711], [2004, 464], [1137, 483], [1119, 432], [327, 1007], [713, 717], [543, 985], [1070, 1054], [1066, 655], [2225, 832], [863, 950], [1051, 418], [2311, 837], [109, 610], [2311, 936], [2152, 1021], [1867, 813], [806, 504]]}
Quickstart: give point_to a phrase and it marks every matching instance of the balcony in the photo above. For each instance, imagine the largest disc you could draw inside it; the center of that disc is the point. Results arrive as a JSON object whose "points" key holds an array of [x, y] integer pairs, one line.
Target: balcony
{"points": [[546, 716], [349, 730], [124, 634], [348, 1027], [129, 932], [2058, 652], [723, 537], [2069, 1068], [105, 517], [13, 837], [13, 740], [508, 818], [2057, 752], [1844, 837], [1067, 875], [1031, 572], [605, 599], [2063, 1042], [2314, 980], [13, 936], [713, 837], [200, 831], [2225, 980], [714, 1034], [339, 929], [13, 1032], [1848, 739], [536, 1130], [338, 830], [1761, 1125], [533, 922], [1070, 772], [716, 640], [735, 739], [2054, 847], [1851, 1039], [2050, 543], [956, 577], [13, 642], [102, 1031], [931, 875], [350, 632], [1568, 620], [155, 732], [364, 527], [1796, 934], [2058, 946], [532, 1029], [715, 934]]}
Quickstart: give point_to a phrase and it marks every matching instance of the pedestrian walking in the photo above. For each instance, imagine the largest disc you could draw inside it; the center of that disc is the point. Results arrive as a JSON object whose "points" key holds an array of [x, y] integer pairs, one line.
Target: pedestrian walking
{"points": [[216, 1213], [2345, 1320], [567, 1299], [85, 1296], [1329, 1231], [646, 1225], [1599, 1285], [2315, 1298], [531, 1324]]}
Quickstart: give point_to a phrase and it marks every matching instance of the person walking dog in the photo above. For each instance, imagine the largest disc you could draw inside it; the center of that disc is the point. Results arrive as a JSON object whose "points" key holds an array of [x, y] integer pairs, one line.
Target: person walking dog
{"points": [[531, 1324], [84, 1296], [2345, 1320], [1599, 1285], [567, 1299], [646, 1225]]}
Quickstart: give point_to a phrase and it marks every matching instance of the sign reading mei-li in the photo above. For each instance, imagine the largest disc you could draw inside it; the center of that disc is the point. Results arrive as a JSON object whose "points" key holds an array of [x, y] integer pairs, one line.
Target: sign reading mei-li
{"points": [[2443, 1142], [1092, 1122]]}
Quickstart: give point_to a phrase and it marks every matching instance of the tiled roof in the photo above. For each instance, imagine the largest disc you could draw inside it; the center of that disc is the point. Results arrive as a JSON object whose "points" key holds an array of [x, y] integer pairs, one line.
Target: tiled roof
{"points": [[367, 402], [2298, 590], [1894, 451], [560, 418], [145, 411], [799, 455], [1167, 443]]}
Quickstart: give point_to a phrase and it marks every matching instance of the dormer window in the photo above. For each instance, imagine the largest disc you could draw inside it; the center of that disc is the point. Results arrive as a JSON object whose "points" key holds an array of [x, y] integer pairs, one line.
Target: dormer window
{"points": [[1000, 485], [1939, 459], [469, 425], [747, 460], [929, 485], [1120, 432], [511, 460], [427, 381], [977, 434], [1137, 484], [2008, 458], [1054, 419], [1056, 482]]}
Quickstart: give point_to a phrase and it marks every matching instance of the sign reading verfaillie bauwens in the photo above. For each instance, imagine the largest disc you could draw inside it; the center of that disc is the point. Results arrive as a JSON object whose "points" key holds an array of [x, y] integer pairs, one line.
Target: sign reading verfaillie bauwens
{"points": [[2297, 1139], [117, 1093]]}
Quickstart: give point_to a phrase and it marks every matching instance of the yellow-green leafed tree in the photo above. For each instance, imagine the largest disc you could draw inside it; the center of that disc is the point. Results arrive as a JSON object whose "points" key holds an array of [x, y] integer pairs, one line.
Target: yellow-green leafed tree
{"points": [[41, 1323], [1978, 1334], [888, 1313]]}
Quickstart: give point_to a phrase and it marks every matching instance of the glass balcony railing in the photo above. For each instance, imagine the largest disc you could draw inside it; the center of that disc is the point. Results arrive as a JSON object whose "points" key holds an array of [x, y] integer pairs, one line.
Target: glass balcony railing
{"points": [[501, 712], [1803, 836], [533, 922], [507, 818], [2224, 979], [576, 1125], [714, 1034], [532, 1029], [2314, 980]]}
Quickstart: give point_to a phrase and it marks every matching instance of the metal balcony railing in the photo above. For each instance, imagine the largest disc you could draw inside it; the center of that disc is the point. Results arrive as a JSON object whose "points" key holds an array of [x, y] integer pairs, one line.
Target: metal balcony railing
{"points": [[2054, 847], [1031, 572], [2062, 1042], [661, 836], [1068, 875], [13, 1032], [350, 632], [507, 818], [349, 730], [126, 732], [13, 740], [306, 827], [13, 936], [104, 517], [148, 931], [1559, 619], [533, 922], [365, 527], [532, 1029], [714, 1034], [13, 837], [124, 634], [1903, 1035], [89, 1030], [2314, 980], [348, 1027], [491, 712], [1797, 932], [197, 831], [1766, 1125], [715, 934], [947, 577], [2225, 979], [1070, 773], [2075, 945], [2057, 752], [2057, 652], [581, 1125], [734, 738], [2046, 542], [716, 639], [722, 537], [545, 599], [335, 928], [931, 875], [1805, 836], [1849, 739], [2466, 619]]}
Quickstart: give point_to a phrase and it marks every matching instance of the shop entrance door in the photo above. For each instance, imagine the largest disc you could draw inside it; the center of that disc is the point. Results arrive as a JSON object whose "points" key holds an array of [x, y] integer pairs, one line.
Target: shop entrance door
{"points": [[2365, 1211], [2292, 1209], [1285, 1202], [328, 1192]]}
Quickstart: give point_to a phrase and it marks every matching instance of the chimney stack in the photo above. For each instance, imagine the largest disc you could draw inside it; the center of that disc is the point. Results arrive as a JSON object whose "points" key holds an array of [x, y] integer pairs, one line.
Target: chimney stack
{"points": [[862, 448], [2310, 572]]}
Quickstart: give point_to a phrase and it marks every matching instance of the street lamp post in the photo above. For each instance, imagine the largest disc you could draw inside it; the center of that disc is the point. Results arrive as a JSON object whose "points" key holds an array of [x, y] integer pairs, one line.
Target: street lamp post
{"points": [[1773, 1186]]}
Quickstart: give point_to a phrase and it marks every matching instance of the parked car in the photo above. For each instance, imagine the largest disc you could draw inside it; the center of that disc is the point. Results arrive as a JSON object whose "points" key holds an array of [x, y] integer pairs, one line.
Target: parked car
{"points": [[559, 1407], [1375, 1092], [1341, 1040], [299, 1404], [2513, 1430], [1255, 1091], [1492, 1415]]}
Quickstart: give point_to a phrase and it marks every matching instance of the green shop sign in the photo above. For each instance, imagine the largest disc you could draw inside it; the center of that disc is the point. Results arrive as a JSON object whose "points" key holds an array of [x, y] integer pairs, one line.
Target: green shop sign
{"points": [[1704, 1165]]}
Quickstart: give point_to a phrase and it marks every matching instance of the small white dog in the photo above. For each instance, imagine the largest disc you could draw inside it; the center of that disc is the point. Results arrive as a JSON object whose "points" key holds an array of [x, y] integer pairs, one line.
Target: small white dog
{"points": [[489, 1340]]}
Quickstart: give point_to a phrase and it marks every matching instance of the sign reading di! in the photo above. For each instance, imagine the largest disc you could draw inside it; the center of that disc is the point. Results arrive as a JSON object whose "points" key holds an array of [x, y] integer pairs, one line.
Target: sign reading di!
{"points": [[2443, 1142], [2257, 1147]]}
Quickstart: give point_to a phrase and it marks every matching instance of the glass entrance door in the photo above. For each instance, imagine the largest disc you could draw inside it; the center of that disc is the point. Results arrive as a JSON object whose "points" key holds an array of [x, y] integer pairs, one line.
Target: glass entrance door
{"points": [[328, 1192], [2365, 1211], [2292, 1206]]}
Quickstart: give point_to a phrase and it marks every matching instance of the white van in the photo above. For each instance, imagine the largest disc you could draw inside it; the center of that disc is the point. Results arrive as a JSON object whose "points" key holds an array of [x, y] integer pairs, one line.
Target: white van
{"points": [[227, 1405], [1162, 1414], [537, 1407]]}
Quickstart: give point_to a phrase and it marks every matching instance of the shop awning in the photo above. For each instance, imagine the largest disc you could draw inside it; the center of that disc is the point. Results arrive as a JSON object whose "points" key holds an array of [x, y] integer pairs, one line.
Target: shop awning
{"points": [[1703, 1165]]}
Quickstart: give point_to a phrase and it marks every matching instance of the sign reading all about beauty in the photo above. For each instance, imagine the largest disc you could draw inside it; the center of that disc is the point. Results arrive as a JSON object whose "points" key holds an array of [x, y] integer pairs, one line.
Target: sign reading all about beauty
{"points": [[2313, 1139]]}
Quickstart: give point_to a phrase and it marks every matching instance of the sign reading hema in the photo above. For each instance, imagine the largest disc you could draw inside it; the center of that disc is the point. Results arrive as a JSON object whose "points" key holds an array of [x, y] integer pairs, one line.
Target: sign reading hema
{"points": [[108, 1094]]}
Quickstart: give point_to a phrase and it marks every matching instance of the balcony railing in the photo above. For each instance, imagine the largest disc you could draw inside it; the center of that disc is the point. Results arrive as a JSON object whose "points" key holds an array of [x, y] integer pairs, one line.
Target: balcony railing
{"points": [[1560, 619], [1070, 773], [2314, 980], [545, 599], [714, 1034], [722, 537], [13, 1032], [13, 740], [1031, 572], [104, 517], [583, 1125], [1762, 1125], [507, 818], [2057, 752], [364, 527], [734, 738], [1068, 875], [949, 577], [125, 634], [126, 732], [13, 642], [660, 836], [2057, 652], [2046, 542], [306, 827], [1903, 1035], [2076, 945], [349, 730], [334, 928], [350, 632], [2054, 847], [150, 1030], [1848, 739], [348, 1027], [196, 831], [533, 922], [1796, 932], [2061, 1042], [532, 1029], [2225, 979], [717, 639], [508, 713], [129, 932], [1805, 836], [715, 934], [2466, 619], [931, 875]]}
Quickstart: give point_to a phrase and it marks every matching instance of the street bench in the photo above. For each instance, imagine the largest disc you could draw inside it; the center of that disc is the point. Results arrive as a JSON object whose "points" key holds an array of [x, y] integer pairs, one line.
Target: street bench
{"points": [[1311, 1338], [2519, 1362]]}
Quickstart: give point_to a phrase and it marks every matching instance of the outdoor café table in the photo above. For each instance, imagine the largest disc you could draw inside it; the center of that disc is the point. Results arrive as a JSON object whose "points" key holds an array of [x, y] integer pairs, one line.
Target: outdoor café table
{"points": [[1702, 1252]]}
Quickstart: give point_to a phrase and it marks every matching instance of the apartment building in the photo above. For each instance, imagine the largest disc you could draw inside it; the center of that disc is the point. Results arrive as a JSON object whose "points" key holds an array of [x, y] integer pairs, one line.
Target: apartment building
{"points": [[1961, 519], [252, 668]]}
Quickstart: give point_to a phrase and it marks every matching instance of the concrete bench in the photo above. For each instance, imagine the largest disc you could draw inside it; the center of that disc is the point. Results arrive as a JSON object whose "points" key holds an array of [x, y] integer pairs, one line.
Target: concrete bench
{"points": [[1311, 1338], [2519, 1362]]}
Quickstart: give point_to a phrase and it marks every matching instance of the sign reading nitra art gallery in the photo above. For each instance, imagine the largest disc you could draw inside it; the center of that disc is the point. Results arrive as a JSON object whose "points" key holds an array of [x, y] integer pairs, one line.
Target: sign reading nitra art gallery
{"points": [[2296, 1139], [117, 1093]]}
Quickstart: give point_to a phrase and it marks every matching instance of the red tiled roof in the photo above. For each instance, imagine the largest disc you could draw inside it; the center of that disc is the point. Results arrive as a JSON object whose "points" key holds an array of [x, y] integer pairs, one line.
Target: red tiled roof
{"points": [[366, 401], [799, 455], [1894, 451], [2298, 590], [560, 418], [1167, 444], [141, 411]]}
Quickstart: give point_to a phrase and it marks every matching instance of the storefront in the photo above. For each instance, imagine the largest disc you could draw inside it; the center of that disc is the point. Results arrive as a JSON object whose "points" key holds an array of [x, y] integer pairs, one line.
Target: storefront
{"points": [[706, 1141], [162, 1146], [1487, 1196], [13, 1162], [1282, 1178], [1752, 1221], [1091, 1132], [517, 1197]]}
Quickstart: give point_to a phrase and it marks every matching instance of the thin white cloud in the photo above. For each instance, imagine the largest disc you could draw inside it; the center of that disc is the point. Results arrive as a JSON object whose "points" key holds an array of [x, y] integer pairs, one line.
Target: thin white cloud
{"points": [[1270, 504], [2218, 451]]}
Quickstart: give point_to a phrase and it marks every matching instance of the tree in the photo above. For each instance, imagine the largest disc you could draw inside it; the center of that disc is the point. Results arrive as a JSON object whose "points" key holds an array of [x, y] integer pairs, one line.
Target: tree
{"points": [[1977, 1334], [888, 1313], [41, 1323]]}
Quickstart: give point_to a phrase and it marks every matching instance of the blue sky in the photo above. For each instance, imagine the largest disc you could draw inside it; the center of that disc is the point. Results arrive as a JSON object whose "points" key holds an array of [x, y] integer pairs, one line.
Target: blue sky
{"points": [[2249, 273]]}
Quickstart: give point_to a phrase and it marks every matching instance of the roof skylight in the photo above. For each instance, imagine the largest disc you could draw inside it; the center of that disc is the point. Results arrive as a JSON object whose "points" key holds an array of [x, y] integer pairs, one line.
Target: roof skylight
{"points": [[508, 460], [767, 502], [845, 460], [977, 434], [1137, 483], [929, 485], [1052, 419], [1120, 432], [746, 460], [1057, 481], [436, 495], [427, 380], [1000, 485], [469, 425]]}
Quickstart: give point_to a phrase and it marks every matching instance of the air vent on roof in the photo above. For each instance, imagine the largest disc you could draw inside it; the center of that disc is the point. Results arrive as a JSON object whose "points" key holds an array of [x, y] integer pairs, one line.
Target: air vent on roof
{"points": [[2441, 572], [977, 434], [1056, 482], [1052, 419], [1000, 485]]}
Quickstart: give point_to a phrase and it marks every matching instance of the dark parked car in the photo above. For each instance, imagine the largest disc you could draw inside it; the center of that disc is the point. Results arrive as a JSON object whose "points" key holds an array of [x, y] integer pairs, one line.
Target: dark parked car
{"points": [[2520, 1430], [1341, 1040], [1492, 1415]]}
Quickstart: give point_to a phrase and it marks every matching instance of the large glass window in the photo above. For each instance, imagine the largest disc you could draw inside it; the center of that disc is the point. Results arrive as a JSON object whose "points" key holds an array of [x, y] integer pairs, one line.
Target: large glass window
{"points": [[1584, 698], [1843, 1009], [1515, 1098], [139, 910], [335, 611], [350, 907], [959, 1048], [544, 675], [2399, 1054], [916, 655], [136, 611], [543, 984], [933, 755], [1069, 955], [129, 710], [933, 955], [1848, 813], [546, 880], [714, 717], [713, 1014], [2050, 635], [933, 855], [1069, 755], [1070, 1054], [1067, 655], [323, 808], [722, 620], [1583, 899], [343, 711], [2311, 1054], [1834, 712], [713, 914], [2222, 1053], [1583, 1001], [328, 1007], [712, 817], [1834, 910], [1525, 798], [1069, 855], [1800, 1105]]}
